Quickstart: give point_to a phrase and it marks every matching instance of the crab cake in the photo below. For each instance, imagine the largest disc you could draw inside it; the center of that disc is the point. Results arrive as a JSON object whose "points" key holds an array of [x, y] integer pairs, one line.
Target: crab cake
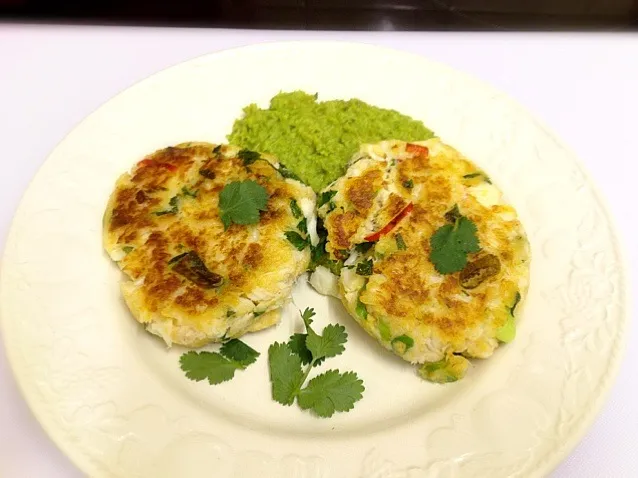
{"points": [[434, 263], [190, 279]]}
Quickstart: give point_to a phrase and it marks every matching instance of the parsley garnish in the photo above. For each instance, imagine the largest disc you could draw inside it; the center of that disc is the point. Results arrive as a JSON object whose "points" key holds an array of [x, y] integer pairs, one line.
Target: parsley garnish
{"points": [[127, 249], [240, 202], [325, 394], [409, 184], [400, 242], [365, 268], [325, 197], [296, 240], [218, 367], [248, 156], [451, 244], [296, 210]]}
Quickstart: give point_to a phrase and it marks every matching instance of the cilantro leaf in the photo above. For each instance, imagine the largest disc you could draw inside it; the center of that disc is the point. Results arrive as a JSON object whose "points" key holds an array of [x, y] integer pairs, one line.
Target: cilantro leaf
{"points": [[365, 268], [296, 240], [451, 243], [307, 316], [297, 344], [285, 373], [325, 394], [318, 254], [287, 173], [329, 343], [303, 226], [331, 392], [240, 202], [296, 210], [174, 205], [207, 365], [239, 352], [319, 257], [325, 197], [364, 247], [248, 156]]}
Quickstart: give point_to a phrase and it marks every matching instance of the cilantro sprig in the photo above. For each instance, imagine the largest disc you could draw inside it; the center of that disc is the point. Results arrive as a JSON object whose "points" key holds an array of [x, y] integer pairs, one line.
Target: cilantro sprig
{"points": [[325, 394], [240, 202], [451, 243], [218, 367]]}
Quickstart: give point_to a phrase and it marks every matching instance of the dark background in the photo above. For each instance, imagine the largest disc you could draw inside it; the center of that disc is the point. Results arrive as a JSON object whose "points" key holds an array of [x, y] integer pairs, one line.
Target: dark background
{"points": [[338, 14]]}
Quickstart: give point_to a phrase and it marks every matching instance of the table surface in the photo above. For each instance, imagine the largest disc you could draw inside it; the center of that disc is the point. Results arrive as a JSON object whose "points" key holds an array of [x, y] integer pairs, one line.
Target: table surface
{"points": [[583, 86]]}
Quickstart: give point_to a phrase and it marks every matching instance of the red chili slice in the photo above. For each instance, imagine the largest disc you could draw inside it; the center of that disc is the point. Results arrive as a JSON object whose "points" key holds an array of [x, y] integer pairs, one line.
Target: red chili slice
{"points": [[418, 149], [150, 162], [389, 226]]}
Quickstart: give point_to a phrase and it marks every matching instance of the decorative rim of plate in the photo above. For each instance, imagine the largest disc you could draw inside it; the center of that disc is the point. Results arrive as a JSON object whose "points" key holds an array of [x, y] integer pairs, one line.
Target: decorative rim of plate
{"points": [[542, 466]]}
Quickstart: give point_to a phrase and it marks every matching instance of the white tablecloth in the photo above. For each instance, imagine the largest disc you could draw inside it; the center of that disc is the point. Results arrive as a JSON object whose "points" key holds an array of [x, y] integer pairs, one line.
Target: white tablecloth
{"points": [[583, 86]]}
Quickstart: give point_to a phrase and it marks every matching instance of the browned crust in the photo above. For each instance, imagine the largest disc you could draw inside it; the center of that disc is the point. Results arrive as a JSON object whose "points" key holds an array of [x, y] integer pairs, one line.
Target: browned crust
{"points": [[362, 190]]}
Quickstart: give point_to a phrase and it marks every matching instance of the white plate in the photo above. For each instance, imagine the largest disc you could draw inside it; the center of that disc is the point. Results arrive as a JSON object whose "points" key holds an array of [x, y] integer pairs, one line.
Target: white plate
{"points": [[114, 399]]}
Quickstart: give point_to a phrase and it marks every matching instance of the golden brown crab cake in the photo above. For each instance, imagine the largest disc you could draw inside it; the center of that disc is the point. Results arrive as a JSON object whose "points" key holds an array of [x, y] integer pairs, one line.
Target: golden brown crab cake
{"points": [[188, 279], [432, 301]]}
